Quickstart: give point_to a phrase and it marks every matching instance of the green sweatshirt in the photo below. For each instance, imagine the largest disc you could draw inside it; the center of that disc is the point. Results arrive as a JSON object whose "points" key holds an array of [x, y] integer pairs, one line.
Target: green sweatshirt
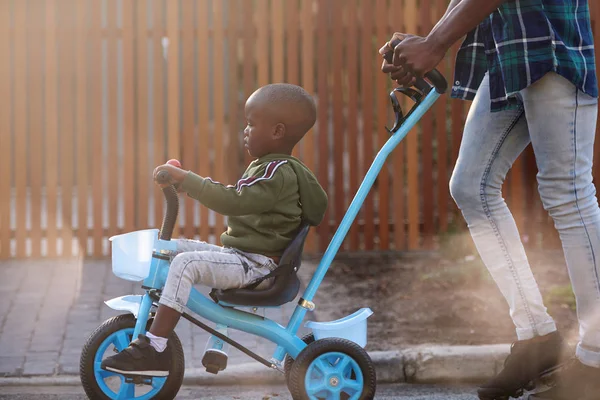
{"points": [[266, 206]]}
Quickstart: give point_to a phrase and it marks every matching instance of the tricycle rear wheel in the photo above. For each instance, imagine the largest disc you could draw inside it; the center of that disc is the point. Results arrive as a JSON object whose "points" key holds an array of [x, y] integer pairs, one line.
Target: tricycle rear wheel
{"points": [[333, 368]]}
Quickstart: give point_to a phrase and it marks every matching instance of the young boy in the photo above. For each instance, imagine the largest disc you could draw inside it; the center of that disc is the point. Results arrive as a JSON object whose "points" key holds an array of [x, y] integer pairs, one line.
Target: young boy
{"points": [[265, 210]]}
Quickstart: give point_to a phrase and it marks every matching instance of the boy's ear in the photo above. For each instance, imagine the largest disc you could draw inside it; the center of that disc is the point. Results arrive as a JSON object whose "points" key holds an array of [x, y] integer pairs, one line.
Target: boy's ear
{"points": [[279, 131]]}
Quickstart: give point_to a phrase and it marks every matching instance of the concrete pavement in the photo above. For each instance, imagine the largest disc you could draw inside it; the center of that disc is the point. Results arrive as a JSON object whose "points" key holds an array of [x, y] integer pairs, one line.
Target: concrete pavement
{"points": [[50, 307]]}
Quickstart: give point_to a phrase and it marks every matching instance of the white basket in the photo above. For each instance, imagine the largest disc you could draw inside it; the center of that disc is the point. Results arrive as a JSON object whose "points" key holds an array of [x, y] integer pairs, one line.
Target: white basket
{"points": [[132, 254], [352, 327]]}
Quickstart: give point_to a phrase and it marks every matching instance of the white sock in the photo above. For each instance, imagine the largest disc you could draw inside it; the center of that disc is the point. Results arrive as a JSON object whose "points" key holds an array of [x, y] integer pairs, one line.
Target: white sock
{"points": [[159, 343]]}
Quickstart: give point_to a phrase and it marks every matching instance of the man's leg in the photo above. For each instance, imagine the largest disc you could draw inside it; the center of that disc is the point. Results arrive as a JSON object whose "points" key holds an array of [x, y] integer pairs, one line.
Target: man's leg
{"points": [[490, 145], [562, 124]]}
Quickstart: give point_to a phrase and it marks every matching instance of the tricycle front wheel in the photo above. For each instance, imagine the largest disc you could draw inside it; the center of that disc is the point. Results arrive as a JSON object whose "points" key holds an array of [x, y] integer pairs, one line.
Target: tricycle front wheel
{"points": [[111, 337]]}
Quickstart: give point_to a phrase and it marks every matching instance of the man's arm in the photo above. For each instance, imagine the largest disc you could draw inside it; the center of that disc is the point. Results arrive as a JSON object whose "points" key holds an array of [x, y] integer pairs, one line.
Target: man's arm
{"points": [[417, 55], [451, 6], [463, 17]]}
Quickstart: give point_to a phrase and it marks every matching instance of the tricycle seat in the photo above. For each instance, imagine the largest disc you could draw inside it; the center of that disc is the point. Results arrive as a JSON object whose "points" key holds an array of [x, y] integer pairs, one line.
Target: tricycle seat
{"points": [[285, 286]]}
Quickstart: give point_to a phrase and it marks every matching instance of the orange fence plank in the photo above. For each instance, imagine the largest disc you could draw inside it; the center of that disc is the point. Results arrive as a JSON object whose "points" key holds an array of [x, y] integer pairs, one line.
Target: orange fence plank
{"points": [[51, 126], [203, 163], [277, 53], [20, 121], [308, 83], [174, 128], [81, 126], [381, 104], [234, 129], [323, 117], [66, 126], [533, 203], [249, 56], [457, 114], [292, 14], [112, 170], [426, 187], [516, 190], [352, 120], [144, 169], [399, 155], [35, 103], [6, 107], [457, 122], [291, 57], [262, 45], [96, 123], [218, 133], [158, 106], [188, 148], [338, 118], [442, 158], [412, 154], [129, 77], [368, 71]]}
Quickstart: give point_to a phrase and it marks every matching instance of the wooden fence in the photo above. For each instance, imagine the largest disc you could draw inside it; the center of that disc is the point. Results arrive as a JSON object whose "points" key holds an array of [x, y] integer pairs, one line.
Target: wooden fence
{"points": [[95, 93]]}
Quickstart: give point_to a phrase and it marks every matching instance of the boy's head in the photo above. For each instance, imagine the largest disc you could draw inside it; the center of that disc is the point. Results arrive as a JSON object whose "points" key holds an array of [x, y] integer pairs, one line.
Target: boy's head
{"points": [[277, 117]]}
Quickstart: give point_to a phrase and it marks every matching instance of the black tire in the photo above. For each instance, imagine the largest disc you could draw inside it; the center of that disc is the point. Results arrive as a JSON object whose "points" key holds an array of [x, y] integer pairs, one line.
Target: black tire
{"points": [[112, 325], [289, 361], [327, 345]]}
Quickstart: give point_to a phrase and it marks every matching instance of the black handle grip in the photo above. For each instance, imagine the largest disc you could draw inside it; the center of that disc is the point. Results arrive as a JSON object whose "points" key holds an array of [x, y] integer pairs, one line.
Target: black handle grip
{"points": [[168, 224], [434, 76]]}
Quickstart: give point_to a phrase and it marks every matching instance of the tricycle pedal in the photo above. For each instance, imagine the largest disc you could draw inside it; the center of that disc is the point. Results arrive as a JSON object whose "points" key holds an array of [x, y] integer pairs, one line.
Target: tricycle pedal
{"points": [[214, 361]]}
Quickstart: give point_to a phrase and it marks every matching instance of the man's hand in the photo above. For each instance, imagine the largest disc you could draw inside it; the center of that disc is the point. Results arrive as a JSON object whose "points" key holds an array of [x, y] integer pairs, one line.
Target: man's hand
{"points": [[177, 175], [413, 57]]}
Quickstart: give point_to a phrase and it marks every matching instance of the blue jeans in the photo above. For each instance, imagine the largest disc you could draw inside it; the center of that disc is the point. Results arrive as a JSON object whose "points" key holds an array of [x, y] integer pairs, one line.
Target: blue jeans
{"points": [[560, 122], [217, 267]]}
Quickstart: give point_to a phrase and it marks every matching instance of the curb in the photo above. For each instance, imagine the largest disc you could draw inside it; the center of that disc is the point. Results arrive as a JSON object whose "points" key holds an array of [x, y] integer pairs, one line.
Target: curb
{"points": [[426, 364]]}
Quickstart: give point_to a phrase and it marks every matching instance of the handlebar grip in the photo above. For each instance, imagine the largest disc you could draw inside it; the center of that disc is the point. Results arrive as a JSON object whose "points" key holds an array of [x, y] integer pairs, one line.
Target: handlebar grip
{"points": [[163, 177], [434, 76]]}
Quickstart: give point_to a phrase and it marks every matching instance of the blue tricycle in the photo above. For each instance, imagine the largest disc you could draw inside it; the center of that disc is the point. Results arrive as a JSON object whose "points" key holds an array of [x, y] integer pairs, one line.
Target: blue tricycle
{"points": [[329, 363]]}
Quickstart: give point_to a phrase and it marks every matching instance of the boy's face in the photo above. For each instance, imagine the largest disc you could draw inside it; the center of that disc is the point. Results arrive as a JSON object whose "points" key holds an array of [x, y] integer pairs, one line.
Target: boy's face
{"points": [[260, 134]]}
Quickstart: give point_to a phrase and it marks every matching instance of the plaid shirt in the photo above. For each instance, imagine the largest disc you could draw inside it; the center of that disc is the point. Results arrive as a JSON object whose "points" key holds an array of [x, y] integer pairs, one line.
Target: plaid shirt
{"points": [[522, 41]]}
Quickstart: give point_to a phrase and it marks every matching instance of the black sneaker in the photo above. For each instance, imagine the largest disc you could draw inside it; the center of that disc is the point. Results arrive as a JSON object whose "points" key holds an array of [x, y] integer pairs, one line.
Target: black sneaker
{"points": [[140, 358], [528, 360], [575, 382]]}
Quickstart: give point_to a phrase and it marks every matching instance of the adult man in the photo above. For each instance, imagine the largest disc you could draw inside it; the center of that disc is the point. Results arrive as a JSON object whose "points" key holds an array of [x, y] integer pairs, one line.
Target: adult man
{"points": [[528, 66]]}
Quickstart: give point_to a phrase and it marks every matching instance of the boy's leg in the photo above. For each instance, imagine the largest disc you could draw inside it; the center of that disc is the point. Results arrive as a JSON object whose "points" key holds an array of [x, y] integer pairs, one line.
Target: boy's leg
{"points": [[166, 318], [184, 245], [222, 270], [490, 145], [562, 124]]}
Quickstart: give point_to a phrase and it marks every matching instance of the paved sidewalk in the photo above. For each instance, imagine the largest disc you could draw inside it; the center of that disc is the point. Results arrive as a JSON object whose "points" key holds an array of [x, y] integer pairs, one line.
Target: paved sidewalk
{"points": [[49, 307]]}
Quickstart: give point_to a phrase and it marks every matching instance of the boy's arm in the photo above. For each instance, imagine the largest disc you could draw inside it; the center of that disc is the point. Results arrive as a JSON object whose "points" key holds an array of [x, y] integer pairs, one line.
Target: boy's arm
{"points": [[253, 195]]}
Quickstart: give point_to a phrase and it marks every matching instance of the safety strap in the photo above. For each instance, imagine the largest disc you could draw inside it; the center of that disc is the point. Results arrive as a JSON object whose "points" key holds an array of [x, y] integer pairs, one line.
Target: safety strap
{"points": [[276, 272]]}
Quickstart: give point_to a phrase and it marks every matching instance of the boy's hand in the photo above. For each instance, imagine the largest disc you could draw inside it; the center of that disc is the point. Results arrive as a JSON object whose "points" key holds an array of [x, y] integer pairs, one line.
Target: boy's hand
{"points": [[177, 175]]}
